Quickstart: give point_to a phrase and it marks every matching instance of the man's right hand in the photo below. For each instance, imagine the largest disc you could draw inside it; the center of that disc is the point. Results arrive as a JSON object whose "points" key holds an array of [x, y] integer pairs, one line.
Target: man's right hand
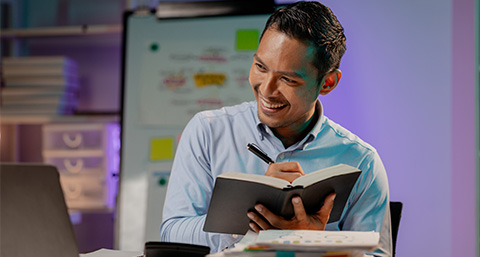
{"points": [[301, 220], [285, 170]]}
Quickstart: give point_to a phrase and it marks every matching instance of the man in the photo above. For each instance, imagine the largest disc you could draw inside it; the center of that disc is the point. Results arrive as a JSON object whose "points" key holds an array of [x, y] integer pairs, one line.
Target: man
{"points": [[297, 60]]}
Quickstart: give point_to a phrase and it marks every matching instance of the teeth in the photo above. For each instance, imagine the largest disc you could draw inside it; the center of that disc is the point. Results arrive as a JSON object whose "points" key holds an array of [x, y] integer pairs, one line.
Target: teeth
{"points": [[273, 106]]}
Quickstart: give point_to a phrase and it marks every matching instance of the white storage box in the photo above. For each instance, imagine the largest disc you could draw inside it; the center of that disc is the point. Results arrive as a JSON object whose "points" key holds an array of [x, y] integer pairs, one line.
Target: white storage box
{"points": [[77, 136], [87, 157], [80, 165], [88, 192]]}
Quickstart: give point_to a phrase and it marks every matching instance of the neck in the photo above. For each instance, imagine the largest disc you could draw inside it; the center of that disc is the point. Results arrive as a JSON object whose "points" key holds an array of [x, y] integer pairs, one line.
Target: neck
{"points": [[290, 137]]}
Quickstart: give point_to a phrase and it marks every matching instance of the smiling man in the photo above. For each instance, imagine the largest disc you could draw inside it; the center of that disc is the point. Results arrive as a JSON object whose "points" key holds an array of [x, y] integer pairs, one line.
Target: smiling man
{"points": [[297, 60]]}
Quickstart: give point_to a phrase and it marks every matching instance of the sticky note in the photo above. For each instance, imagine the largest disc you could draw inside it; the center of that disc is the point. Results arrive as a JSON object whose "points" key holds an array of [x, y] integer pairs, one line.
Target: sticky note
{"points": [[161, 148], [246, 39], [209, 79]]}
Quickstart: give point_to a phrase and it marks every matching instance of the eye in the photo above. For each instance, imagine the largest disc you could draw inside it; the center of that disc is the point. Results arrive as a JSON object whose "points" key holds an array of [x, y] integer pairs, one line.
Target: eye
{"points": [[260, 66], [288, 80]]}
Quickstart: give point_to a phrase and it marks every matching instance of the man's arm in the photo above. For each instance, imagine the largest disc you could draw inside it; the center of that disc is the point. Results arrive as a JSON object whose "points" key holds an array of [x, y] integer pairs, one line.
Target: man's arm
{"points": [[189, 191], [369, 208], [190, 230]]}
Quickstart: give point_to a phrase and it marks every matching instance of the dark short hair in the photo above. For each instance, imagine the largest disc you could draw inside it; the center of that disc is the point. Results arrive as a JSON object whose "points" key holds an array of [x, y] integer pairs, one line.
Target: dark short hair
{"points": [[313, 23]]}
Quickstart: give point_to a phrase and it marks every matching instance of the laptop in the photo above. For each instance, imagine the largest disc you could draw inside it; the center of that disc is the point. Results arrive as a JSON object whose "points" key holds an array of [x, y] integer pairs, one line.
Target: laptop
{"points": [[34, 220]]}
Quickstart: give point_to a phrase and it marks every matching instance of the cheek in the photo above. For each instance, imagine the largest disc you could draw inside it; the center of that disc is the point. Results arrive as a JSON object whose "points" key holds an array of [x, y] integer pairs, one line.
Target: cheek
{"points": [[312, 92], [301, 99], [254, 78], [251, 76]]}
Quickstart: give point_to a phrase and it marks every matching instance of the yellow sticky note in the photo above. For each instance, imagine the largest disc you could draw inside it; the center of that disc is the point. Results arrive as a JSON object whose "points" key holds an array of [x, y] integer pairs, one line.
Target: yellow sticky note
{"points": [[208, 79], [161, 149]]}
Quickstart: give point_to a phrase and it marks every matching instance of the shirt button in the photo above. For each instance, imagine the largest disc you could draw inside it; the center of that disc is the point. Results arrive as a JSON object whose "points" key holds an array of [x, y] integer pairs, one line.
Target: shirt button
{"points": [[234, 235], [281, 156]]}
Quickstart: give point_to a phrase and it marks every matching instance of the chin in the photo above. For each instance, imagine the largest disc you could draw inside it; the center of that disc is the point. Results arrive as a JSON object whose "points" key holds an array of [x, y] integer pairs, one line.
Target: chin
{"points": [[269, 121]]}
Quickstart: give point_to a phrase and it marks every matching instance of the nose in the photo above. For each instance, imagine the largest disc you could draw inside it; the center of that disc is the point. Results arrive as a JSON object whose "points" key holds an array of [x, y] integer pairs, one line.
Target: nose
{"points": [[269, 86]]}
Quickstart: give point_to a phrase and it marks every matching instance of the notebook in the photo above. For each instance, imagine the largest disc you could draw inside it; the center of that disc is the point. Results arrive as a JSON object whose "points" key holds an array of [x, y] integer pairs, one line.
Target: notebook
{"points": [[33, 215]]}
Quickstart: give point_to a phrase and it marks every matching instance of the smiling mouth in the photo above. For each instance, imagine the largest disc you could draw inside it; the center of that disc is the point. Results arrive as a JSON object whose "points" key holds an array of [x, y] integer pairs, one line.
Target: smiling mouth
{"points": [[271, 105]]}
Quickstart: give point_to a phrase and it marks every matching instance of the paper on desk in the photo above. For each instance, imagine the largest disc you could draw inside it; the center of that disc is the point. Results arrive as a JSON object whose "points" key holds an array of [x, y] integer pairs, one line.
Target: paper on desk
{"points": [[112, 253], [313, 240]]}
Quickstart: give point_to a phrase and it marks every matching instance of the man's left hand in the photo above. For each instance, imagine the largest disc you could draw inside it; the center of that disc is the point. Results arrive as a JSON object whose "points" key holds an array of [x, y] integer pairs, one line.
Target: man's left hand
{"points": [[301, 220]]}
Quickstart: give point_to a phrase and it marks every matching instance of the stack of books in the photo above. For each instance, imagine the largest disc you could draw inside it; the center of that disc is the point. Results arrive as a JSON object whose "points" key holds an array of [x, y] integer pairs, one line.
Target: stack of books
{"points": [[46, 85]]}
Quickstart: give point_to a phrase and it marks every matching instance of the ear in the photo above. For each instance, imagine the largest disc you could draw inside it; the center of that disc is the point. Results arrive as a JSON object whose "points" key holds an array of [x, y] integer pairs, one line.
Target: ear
{"points": [[330, 81]]}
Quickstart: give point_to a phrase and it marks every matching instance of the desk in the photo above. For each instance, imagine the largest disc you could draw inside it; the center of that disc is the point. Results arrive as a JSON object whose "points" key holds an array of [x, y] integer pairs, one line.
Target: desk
{"points": [[112, 253]]}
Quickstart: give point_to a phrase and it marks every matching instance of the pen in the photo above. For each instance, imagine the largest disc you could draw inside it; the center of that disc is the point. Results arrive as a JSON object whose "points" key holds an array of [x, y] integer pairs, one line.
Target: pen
{"points": [[258, 152]]}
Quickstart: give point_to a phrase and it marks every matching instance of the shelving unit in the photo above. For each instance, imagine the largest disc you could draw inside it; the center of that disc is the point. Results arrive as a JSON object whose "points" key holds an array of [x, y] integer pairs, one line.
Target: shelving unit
{"points": [[89, 32], [45, 119], [72, 36], [96, 49], [61, 31]]}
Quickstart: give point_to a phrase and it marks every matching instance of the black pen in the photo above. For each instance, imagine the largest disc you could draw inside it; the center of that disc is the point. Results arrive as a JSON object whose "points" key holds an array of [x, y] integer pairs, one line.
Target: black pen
{"points": [[258, 152]]}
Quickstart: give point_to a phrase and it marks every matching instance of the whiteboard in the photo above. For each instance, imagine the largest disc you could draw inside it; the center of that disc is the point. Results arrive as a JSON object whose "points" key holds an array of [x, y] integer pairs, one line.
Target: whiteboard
{"points": [[173, 68]]}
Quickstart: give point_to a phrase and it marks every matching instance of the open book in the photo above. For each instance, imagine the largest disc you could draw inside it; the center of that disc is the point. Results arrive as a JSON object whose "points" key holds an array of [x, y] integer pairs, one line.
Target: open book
{"points": [[234, 194]]}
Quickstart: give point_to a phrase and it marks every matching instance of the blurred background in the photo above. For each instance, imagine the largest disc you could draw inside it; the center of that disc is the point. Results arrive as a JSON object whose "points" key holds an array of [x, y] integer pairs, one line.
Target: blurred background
{"points": [[409, 88]]}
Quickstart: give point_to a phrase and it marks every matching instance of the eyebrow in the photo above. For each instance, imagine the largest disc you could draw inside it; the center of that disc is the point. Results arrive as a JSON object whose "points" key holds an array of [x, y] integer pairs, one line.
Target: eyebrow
{"points": [[287, 73]]}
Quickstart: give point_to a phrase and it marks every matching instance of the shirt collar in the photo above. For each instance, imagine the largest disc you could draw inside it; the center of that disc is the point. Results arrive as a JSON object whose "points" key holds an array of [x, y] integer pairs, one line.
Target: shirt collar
{"points": [[321, 120], [263, 130]]}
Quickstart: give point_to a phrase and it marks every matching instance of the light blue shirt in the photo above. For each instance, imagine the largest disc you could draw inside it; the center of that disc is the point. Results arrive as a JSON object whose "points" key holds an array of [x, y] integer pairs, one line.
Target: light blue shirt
{"points": [[214, 142]]}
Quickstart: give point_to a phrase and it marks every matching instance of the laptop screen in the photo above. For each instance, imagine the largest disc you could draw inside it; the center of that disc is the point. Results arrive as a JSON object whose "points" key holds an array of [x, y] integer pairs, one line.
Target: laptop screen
{"points": [[33, 216]]}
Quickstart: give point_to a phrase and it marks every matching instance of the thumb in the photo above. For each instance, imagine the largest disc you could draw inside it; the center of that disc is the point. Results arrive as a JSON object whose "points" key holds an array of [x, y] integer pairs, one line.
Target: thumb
{"points": [[298, 208], [324, 212]]}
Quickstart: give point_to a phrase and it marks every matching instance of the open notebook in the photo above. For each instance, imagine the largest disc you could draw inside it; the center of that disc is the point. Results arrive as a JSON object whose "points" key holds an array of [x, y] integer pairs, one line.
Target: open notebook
{"points": [[33, 215]]}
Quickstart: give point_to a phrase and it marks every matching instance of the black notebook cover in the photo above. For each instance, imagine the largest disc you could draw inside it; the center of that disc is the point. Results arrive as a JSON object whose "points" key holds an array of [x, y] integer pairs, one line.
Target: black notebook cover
{"points": [[232, 199]]}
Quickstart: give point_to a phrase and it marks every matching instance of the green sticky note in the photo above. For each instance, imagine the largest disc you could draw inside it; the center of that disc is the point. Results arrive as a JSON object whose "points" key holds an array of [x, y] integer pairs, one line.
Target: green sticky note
{"points": [[247, 39], [161, 149]]}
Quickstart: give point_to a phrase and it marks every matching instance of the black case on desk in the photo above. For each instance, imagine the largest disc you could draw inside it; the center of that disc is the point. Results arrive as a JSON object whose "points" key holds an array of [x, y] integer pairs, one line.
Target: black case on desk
{"points": [[169, 249]]}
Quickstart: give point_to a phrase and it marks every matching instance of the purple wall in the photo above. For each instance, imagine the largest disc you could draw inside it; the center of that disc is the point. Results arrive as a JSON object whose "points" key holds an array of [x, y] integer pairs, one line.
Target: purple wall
{"points": [[464, 218], [409, 90]]}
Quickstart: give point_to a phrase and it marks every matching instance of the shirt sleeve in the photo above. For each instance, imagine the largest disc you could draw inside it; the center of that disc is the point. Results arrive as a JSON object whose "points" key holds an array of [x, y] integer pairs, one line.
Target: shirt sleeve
{"points": [[370, 208], [189, 190]]}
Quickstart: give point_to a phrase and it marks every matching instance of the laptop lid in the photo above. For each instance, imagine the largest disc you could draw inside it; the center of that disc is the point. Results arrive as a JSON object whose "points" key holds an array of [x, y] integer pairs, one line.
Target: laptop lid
{"points": [[34, 219]]}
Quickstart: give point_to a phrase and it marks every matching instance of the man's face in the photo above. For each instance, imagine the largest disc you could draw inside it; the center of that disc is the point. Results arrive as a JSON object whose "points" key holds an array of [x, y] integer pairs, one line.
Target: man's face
{"points": [[284, 83]]}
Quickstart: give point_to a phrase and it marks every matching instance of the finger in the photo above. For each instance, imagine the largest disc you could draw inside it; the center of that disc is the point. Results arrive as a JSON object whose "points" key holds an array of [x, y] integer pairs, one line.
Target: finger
{"points": [[327, 207], [272, 220], [254, 227], [285, 170], [298, 208], [288, 176], [291, 167], [253, 217], [259, 221], [284, 167]]}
